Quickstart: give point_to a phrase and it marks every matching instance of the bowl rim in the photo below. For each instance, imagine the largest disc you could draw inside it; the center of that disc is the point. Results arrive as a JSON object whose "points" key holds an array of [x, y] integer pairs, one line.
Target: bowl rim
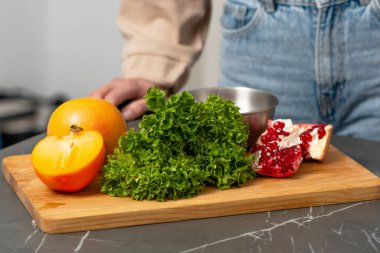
{"points": [[276, 101]]}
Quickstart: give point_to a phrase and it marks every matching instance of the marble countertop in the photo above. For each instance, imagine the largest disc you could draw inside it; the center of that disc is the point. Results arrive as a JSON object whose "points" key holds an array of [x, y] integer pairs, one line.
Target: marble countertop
{"points": [[352, 227]]}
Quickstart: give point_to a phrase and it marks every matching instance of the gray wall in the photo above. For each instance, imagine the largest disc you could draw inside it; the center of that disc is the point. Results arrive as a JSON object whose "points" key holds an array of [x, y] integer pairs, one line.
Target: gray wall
{"points": [[23, 39], [74, 46]]}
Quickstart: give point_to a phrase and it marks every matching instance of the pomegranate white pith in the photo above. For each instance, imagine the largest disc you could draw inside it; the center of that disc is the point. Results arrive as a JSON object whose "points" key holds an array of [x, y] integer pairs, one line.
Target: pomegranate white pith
{"points": [[282, 147]]}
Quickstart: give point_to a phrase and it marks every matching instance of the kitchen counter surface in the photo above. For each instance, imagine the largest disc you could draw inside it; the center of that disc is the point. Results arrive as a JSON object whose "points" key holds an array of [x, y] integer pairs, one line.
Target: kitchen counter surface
{"points": [[352, 227]]}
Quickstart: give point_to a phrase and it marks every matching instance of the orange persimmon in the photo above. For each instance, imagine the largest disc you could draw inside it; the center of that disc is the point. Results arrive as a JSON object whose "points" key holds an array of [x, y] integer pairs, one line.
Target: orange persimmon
{"points": [[89, 114], [69, 163]]}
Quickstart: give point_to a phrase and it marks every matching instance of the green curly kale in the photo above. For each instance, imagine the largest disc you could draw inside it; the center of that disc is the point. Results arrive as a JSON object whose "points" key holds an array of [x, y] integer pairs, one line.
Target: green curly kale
{"points": [[182, 146]]}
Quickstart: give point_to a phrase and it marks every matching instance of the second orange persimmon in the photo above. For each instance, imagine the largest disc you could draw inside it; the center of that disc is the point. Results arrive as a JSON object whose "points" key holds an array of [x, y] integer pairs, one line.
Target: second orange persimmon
{"points": [[89, 114]]}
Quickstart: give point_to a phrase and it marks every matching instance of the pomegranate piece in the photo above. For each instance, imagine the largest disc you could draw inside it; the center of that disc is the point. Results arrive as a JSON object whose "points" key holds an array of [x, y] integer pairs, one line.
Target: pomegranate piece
{"points": [[282, 147], [315, 140]]}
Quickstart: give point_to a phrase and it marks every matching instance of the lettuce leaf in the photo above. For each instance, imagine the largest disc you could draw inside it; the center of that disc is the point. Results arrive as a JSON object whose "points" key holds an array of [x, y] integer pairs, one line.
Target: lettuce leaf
{"points": [[182, 146]]}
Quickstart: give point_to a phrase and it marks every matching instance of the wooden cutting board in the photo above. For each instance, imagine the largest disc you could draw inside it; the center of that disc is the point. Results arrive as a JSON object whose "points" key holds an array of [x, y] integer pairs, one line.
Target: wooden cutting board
{"points": [[338, 179]]}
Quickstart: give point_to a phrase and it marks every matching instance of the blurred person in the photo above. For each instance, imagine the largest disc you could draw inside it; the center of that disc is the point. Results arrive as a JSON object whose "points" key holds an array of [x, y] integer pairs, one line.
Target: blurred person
{"points": [[321, 58]]}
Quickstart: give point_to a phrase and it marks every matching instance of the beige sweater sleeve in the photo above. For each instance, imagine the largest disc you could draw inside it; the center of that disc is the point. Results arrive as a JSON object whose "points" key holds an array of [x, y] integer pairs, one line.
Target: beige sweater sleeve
{"points": [[162, 38]]}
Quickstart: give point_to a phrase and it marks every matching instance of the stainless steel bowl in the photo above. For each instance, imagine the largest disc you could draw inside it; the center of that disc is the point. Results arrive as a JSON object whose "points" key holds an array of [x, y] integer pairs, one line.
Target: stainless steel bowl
{"points": [[256, 106]]}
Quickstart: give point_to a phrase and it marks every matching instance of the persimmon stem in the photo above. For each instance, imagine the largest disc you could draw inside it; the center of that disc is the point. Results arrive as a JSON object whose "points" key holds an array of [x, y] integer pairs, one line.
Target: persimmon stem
{"points": [[75, 129]]}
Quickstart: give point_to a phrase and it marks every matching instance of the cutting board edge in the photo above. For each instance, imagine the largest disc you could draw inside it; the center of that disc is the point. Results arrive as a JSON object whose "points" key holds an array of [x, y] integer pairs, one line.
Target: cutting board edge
{"points": [[17, 189], [54, 226]]}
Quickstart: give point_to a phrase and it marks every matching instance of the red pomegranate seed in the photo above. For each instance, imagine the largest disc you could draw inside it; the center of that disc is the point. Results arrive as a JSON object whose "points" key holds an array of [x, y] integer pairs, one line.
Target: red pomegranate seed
{"points": [[273, 137], [284, 133], [272, 145], [272, 131], [278, 125], [306, 137], [321, 132], [264, 139]]}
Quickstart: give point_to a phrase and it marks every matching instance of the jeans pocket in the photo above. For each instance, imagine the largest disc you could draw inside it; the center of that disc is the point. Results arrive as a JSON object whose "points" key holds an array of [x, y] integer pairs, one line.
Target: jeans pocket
{"points": [[239, 18]]}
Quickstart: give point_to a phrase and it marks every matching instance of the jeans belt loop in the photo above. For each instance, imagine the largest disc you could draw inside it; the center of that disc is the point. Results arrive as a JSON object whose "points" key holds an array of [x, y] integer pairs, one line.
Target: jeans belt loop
{"points": [[364, 2], [269, 5]]}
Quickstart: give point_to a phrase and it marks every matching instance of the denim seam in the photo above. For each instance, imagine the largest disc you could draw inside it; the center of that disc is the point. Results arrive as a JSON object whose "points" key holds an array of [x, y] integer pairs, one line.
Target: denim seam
{"points": [[308, 3], [296, 2], [341, 51], [248, 27], [318, 65], [375, 7]]}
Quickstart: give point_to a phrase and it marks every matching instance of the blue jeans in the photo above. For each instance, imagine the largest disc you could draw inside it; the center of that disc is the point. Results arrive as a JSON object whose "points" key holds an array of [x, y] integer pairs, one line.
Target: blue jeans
{"points": [[321, 58]]}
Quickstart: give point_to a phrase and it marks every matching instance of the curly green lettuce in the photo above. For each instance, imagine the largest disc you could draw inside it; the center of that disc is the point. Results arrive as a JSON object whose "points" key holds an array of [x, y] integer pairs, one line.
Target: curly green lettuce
{"points": [[182, 146]]}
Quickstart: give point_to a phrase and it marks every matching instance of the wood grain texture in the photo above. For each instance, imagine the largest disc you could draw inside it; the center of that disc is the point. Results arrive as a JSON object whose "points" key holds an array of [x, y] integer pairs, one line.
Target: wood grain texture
{"points": [[338, 179]]}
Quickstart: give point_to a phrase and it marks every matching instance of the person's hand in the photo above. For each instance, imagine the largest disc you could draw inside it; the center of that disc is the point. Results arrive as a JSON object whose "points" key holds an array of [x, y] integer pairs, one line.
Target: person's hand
{"points": [[120, 90]]}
